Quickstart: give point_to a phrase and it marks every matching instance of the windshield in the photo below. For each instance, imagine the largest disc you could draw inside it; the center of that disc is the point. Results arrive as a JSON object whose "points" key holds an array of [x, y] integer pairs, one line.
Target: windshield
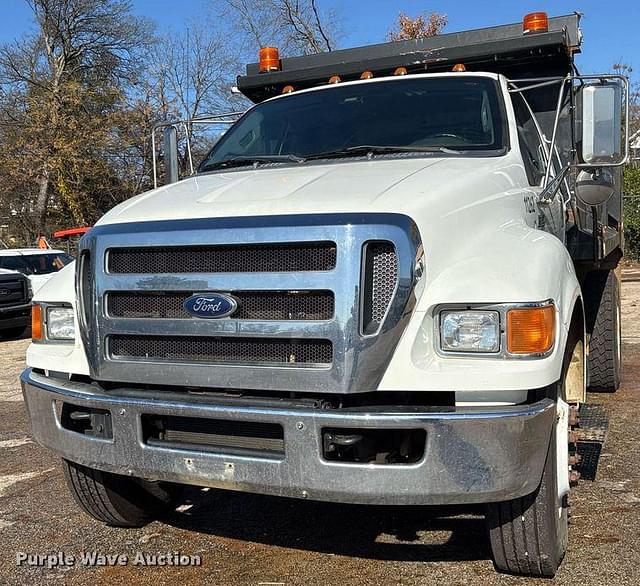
{"points": [[35, 264], [445, 114]]}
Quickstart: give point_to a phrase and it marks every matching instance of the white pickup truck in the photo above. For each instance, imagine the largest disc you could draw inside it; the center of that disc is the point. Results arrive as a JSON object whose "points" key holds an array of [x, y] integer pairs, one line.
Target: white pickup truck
{"points": [[388, 283]]}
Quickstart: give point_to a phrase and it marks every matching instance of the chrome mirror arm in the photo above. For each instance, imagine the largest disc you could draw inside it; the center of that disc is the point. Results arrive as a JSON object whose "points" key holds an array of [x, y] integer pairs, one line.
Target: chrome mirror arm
{"points": [[548, 192]]}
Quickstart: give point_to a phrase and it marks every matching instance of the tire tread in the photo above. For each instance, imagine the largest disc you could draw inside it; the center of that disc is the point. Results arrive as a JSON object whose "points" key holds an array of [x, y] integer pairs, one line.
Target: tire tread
{"points": [[604, 372]]}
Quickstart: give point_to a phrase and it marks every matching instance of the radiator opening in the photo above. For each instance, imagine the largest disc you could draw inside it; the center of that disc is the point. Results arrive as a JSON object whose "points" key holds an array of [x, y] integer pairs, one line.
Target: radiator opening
{"points": [[239, 258], [245, 438], [221, 350]]}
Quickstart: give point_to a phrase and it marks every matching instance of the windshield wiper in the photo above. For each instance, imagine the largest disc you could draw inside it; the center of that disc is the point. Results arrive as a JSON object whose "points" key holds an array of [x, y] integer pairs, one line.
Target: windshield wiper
{"points": [[242, 160], [380, 149]]}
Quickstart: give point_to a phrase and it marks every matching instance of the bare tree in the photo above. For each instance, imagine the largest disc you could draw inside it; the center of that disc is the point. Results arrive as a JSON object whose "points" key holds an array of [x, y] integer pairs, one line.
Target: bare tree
{"points": [[190, 75], [420, 27], [295, 26]]}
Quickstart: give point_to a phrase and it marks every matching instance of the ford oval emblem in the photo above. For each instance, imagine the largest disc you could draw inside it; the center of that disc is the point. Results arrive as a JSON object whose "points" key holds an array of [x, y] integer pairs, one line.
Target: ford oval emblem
{"points": [[210, 305]]}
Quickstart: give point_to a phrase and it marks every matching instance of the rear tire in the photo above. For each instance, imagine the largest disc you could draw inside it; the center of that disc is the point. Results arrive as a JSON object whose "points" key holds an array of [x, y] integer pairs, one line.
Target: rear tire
{"points": [[602, 309], [119, 501]]}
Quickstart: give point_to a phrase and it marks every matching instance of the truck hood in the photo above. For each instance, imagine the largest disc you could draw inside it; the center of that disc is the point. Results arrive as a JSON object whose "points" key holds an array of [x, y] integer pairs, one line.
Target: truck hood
{"points": [[382, 185]]}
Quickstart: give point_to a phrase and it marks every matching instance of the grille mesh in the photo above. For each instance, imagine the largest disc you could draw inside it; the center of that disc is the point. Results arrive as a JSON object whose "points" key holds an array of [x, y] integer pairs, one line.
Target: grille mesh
{"points": [[221, 350], [13, 291], [252, 305], [380, 279], [263, 258], [385, 275]]}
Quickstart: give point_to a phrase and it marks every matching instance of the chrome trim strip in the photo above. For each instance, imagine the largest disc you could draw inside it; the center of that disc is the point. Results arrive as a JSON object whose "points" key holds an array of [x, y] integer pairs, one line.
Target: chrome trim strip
{"points": [[359, 361]]}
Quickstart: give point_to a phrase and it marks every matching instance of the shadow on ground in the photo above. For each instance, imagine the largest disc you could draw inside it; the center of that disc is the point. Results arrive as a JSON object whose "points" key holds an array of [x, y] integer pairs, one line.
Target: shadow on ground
{"points": [[381, 533]]}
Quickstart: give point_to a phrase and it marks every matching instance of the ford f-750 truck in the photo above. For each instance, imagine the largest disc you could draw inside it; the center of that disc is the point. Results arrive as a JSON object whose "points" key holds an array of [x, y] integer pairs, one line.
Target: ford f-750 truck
{"points": [[389, 282]]}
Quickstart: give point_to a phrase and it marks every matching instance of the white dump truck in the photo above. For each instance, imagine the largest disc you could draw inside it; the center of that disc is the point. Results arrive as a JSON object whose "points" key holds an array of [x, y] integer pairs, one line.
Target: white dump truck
{"points": [[389, 282]]}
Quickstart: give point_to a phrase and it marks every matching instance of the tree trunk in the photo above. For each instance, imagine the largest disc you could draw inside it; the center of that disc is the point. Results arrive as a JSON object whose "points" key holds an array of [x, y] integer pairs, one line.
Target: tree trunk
{"points": [[42, 203]]}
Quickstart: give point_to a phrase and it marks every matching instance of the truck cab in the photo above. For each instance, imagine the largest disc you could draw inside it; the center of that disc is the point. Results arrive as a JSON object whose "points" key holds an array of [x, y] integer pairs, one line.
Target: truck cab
{"points": [[389, 282]]}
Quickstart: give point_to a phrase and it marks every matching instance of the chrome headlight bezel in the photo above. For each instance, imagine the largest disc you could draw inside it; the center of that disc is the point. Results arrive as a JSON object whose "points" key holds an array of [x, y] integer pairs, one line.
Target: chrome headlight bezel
{"points": [[502, 309]]}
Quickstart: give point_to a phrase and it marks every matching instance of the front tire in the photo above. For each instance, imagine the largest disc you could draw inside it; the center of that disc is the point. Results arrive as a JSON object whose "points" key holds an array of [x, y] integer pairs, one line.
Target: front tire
{"points": [[529, 535], [119, 501]]}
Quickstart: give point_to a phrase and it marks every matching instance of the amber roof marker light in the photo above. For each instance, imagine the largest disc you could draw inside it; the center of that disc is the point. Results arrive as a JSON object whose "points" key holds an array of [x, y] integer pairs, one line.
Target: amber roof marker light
{"points": [[459, 67], [400, 71], [288, 89], [269, 59], [535, 22], [335, 79]]}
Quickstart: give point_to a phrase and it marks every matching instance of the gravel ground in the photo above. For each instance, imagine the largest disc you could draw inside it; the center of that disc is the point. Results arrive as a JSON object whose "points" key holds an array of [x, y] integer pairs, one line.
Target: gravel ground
{"points": [[244, 539]]}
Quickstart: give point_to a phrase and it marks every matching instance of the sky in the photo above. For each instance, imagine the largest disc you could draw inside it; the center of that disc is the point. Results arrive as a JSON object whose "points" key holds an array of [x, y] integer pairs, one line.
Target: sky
{"points": [[611, 29]]}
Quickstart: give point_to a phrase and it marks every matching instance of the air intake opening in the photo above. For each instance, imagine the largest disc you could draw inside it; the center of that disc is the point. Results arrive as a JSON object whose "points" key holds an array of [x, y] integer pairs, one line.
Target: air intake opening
{"points": [[252, 305], [86, 420], [222, 350], [374, 446], [240, 258], [246, 438], [379, 281]]}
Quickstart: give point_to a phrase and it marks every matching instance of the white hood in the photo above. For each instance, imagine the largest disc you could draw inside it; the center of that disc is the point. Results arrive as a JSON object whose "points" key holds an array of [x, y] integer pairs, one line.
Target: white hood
{"points": [[389, 185]]}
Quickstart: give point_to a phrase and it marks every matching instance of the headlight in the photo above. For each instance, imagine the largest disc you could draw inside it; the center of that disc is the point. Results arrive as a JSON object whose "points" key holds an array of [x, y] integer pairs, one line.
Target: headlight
{"points": [[53, 323], [60, 323], [470, 331]]}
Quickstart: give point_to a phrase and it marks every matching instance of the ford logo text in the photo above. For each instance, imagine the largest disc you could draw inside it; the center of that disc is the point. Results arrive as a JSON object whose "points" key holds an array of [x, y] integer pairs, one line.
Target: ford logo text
{"points": [[210, 305]]}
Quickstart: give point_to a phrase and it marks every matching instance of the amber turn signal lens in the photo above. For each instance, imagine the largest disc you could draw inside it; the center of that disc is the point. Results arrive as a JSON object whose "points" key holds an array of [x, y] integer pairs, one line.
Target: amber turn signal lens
{"points": [[269, 59], [37, 325], [531, 330], [535, 22]]}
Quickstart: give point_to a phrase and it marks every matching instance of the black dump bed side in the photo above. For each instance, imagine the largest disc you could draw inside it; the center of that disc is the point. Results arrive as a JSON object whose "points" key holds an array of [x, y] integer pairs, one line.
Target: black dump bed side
{"points": [[501, 49]]}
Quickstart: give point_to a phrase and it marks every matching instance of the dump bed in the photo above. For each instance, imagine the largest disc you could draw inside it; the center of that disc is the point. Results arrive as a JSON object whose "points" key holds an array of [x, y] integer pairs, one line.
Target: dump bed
{"points": [[501, 49]]}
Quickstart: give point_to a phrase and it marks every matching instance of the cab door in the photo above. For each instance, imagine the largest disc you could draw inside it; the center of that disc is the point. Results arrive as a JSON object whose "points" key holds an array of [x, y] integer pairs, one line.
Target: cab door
{"points": [[550, 216]]}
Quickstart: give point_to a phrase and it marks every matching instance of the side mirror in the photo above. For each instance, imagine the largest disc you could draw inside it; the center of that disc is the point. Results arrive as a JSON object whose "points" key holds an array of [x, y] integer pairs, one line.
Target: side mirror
{"points": [[170, 147], [594, 187], [602, 132]]}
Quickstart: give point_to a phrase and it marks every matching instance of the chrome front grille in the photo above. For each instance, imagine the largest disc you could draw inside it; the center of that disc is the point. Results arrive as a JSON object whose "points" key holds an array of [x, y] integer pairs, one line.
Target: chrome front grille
{"points": [[305, 285], [245, 258], [252, 305], [13, 291], [380, 277], [222, 350]]}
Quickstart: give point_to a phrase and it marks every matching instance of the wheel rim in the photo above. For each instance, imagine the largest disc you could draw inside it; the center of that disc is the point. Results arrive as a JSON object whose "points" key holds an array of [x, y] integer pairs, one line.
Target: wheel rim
{"points": [[573, 386]]}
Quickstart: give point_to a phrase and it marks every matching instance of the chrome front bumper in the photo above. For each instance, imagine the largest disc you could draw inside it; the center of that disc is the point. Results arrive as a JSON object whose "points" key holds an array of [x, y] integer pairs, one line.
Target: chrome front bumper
{"points": [[471, 455]]}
